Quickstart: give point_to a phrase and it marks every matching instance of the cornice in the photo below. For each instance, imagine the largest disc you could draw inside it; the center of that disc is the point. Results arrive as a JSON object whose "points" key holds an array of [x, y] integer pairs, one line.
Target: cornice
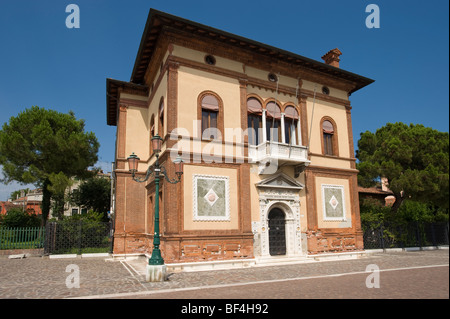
{"points": [[158, 21]]}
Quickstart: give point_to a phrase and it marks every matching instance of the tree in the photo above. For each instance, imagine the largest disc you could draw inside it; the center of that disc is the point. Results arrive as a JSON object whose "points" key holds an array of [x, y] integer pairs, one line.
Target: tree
{"points": [[58, 185], [16, 217], [16, 194], [40, 144], [414, 159], [94, 193]]}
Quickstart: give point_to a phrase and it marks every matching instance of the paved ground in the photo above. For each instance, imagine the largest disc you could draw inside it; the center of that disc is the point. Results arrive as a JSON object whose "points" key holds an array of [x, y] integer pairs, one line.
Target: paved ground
{"points": [[421, 274]]}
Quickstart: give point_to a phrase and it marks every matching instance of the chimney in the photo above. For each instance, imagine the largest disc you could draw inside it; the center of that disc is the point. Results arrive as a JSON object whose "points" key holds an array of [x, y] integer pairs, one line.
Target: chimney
{"points": [[384, 184], [332, 57]]}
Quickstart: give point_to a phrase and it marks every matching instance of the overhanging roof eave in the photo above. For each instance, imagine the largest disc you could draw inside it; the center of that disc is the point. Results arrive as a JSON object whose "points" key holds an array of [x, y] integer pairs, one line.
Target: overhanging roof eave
{"points": [[306, 62]]}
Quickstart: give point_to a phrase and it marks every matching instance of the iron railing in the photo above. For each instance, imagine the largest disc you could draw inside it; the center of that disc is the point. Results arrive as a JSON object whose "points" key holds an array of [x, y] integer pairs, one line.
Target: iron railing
{"points": [[413, 234], [22, 237], [77, 237]]}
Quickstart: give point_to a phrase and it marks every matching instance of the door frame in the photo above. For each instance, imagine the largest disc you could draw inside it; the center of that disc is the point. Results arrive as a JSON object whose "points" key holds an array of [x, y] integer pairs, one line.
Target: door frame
{"points": [[292, 230]]}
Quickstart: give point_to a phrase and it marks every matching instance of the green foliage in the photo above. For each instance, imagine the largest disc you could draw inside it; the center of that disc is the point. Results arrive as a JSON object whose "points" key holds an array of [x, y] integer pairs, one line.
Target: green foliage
{"points": [[16, 217], [411, 225], [414, 159], [40, 145], [14, 195], [57, 187], [81, 234], [94, 193], [91, 216], [373, 212], [421, 212]]}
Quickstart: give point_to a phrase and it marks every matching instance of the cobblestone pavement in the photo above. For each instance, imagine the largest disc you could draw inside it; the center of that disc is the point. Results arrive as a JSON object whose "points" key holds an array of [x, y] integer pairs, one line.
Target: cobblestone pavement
{"points": [[41, 277]]}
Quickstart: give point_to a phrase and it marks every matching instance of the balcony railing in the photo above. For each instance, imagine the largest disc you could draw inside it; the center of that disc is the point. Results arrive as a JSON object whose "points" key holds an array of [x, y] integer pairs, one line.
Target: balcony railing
{"points": [[283, 153]]}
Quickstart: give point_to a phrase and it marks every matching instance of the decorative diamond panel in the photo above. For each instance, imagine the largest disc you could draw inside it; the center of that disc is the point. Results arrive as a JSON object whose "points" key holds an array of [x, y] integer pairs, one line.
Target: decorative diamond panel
{"points": [[211, 197], [333, 202]]}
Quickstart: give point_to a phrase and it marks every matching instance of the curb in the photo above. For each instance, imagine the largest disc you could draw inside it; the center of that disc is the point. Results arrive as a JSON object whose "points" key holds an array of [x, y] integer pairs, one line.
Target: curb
{"points": [[89, 255], [406, 249]]}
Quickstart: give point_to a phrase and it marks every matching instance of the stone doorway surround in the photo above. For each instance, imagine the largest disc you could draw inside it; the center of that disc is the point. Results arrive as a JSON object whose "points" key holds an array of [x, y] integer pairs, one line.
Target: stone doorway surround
{"points": [[282, 192]]}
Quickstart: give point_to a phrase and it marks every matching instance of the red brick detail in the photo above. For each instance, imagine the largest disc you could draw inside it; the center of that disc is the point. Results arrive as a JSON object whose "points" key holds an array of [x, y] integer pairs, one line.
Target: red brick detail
{"points": [[321, 242]]}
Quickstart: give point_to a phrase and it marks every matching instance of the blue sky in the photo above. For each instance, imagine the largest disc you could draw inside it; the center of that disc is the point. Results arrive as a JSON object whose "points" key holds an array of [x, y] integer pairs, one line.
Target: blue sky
{"points": [[46, 64]]}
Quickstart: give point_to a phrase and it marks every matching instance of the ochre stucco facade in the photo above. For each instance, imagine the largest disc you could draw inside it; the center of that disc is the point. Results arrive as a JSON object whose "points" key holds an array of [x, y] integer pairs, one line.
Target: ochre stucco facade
{"points": [[231, 191]]}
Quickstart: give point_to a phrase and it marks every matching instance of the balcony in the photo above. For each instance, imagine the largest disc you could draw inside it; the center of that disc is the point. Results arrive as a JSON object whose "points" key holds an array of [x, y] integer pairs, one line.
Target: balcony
{"points": [[270, 155]]}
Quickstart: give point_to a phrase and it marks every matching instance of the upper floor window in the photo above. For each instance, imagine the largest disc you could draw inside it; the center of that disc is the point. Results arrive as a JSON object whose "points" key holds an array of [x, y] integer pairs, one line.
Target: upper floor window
{"points": [[290, 125], [254, 109], [328, 138], [273, 122], [161, 118], [152, 132], [210, 116]]}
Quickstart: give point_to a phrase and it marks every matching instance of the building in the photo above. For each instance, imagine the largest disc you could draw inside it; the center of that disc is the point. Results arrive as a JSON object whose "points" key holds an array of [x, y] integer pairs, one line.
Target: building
{"points": [[380, 193], [29, 201], [5, 206], [266, 136], [70, 208]]}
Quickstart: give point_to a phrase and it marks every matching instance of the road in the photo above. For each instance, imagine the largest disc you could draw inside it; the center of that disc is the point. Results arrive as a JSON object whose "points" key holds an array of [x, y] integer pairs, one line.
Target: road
{"points": [[402, 275], [428, 282]]}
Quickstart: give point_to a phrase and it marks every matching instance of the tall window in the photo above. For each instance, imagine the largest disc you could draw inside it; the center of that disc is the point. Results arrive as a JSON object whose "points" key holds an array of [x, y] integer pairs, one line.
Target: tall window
{"points": [[290, 125], [273, 122], [152, 133], [161, 119], [210, 114], [328, 137], [254, 109]]}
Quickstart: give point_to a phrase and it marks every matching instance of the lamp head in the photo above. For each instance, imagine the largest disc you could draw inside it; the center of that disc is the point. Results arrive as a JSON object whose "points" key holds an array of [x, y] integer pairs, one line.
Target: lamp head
{"points": [[133, 162], [178, 165], [156, 144]]}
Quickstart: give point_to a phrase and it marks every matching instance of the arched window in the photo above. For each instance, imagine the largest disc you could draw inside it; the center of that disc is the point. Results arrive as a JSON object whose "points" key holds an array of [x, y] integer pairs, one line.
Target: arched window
{"points": [[273, 122], [254, 109], [328, 135], [161, 118], [290, 125], [152, 126], [210, 108], [152, 132]]}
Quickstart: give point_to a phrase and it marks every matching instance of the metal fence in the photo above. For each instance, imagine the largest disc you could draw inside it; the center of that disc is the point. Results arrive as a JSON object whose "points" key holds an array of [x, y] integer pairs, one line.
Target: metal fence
{"points": [[22, 237], [412, 234], [78, 237]]}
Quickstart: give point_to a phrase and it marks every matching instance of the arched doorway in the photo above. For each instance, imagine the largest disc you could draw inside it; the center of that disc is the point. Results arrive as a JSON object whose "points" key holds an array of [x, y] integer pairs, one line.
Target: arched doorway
{"points": [[277, 232]]}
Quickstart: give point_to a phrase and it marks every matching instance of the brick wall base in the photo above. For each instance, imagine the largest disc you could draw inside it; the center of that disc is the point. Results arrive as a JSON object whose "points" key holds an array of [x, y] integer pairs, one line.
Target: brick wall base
{"points": [[321, 242], [177, 249]]}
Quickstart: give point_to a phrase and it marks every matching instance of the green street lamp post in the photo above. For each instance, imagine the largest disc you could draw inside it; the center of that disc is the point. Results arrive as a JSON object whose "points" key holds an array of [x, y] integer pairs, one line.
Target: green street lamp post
{"points": [[154, 272]]}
